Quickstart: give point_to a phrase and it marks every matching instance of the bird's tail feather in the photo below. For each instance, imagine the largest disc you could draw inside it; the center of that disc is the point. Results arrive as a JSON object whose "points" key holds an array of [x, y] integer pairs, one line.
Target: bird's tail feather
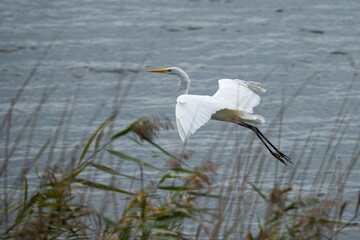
{"points": [[251, 118]]}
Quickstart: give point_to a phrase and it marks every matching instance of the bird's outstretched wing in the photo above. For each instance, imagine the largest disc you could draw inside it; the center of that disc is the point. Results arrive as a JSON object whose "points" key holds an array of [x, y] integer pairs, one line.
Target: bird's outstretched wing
{"points": [[239, 94], [193, 111]]}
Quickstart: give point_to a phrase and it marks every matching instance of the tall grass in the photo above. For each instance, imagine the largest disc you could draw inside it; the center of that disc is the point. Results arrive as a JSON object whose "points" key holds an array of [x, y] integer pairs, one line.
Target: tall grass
{"points": [[172, 201], [180, 203]]}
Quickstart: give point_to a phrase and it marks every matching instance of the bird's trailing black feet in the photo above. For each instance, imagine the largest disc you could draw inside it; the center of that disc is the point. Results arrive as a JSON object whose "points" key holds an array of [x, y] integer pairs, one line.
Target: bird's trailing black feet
{"points": [[272, 149]]}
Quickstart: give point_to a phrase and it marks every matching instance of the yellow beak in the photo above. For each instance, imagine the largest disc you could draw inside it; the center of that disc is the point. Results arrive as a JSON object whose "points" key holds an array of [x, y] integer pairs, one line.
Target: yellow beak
{"points": [[159, 70]]}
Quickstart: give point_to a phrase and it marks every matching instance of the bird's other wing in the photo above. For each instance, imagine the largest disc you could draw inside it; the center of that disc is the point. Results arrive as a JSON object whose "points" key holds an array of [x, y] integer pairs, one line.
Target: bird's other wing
{"points": [[193, 111], [239, 94]]}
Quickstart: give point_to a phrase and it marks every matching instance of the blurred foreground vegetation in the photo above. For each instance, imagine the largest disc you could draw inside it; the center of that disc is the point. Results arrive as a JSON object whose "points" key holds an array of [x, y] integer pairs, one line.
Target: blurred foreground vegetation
{"points": [[179, 202]]}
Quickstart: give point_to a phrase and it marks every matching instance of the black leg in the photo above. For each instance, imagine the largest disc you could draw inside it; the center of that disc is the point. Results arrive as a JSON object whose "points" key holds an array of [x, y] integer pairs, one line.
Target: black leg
{"points": [[276, 153]]}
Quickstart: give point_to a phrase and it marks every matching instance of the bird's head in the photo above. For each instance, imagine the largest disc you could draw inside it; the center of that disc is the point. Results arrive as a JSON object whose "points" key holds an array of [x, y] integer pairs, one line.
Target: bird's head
{"points": [[184, 83], [170, 70]]}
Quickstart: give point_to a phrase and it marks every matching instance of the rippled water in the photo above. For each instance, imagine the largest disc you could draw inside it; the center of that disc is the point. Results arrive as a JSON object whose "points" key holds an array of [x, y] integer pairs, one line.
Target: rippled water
{"points": [[306, 53]]}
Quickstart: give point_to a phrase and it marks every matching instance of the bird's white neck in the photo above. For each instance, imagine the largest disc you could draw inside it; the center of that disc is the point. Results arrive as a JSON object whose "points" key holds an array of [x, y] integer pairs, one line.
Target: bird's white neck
{"points": [[184, 83]]}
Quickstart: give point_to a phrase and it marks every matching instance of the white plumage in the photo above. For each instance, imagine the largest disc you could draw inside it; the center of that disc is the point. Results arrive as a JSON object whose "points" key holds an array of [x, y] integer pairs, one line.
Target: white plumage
{"points": [[233, 102], [193, 111], [234, 99]]}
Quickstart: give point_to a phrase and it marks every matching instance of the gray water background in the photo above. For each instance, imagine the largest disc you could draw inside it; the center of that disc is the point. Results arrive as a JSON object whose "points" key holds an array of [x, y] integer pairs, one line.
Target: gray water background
{"points": [[96, 44]]}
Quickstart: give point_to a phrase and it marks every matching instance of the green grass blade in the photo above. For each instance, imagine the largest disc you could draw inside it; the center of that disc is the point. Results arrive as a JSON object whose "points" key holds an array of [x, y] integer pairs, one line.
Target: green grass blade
{"points": [[73, 174], [135, 140], [126, 157], [111, 171], [92, 138], [128, 129], [101, 186], [25, 191], [8, 208], [259, 192], [164, 232], [172, 175], [26, 207], [161, 149], [37, 172], [97, 142], [16, 222]]}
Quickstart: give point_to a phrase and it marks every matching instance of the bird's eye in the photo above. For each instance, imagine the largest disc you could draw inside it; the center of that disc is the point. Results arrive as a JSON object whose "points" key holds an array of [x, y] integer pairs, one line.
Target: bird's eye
{"points": [[169, 70]]}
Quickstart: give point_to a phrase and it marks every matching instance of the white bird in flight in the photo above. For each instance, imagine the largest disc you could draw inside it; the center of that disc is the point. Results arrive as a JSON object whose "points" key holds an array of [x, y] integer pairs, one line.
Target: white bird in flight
{"points": [[233, 102]]}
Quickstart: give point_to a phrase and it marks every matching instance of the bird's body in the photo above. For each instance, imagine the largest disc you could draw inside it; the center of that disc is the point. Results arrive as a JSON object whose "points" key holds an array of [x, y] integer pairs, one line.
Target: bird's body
{"points": [[233, 102]]}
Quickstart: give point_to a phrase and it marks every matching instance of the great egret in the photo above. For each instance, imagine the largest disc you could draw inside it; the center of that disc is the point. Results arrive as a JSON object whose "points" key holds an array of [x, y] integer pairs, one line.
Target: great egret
{"points": [[233, 102]]}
